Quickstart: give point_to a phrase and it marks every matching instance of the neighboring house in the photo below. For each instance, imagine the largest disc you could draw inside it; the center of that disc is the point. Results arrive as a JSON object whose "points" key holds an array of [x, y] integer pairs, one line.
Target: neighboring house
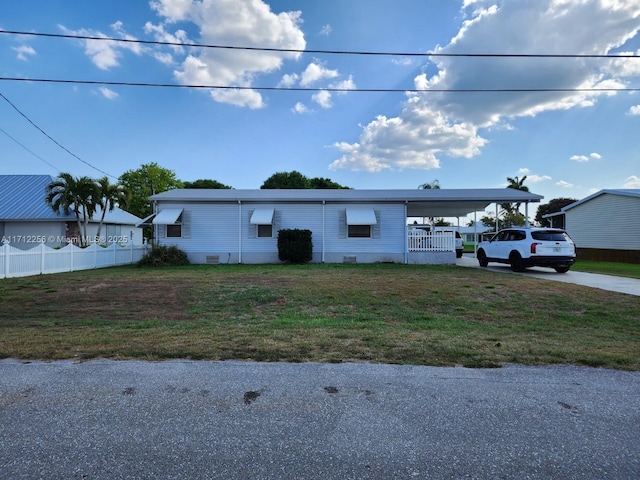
{"points": [[606, 225], [364, 226], [26, 219]]}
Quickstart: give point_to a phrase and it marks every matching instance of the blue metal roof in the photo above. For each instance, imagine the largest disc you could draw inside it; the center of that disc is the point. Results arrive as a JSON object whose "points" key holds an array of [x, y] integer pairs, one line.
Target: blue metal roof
{"points": [[22, 197]]}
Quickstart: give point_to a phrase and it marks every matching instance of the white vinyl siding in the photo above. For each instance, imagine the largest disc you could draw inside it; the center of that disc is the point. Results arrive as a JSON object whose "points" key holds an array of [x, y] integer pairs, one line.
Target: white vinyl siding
{"points": [[608, 221]]}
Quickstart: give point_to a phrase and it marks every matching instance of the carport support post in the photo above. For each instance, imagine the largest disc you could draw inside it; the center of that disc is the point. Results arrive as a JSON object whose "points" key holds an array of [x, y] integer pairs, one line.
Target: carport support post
{"points": [[526, 214]]}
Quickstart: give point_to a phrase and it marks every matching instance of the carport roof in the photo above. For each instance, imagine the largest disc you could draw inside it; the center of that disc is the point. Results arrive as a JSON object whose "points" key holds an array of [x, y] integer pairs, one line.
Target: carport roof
{"points": [[433, 202]]}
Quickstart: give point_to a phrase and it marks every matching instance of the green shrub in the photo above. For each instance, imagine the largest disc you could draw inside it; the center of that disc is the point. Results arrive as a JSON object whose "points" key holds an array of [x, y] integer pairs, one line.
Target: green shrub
{"points": [[295, 246], [164, 256]]}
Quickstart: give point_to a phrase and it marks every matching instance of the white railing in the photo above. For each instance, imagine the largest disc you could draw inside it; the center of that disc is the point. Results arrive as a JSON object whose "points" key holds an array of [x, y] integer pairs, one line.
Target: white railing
{"points": [[421, 241], [15, 262]]}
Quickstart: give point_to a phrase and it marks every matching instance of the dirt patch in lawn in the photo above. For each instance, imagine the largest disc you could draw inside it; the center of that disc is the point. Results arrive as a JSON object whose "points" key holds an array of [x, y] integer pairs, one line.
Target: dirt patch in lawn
{"points": [[112, 300]]}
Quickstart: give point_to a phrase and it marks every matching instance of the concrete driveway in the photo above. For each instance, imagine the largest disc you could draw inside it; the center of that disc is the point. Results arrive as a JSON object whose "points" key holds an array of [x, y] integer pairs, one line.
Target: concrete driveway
{"points": [[238, 420], [630, 286]]}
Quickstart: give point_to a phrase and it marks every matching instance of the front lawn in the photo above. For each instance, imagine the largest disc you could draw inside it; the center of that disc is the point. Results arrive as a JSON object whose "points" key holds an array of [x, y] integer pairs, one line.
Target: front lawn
{"points": [[426, 315]]}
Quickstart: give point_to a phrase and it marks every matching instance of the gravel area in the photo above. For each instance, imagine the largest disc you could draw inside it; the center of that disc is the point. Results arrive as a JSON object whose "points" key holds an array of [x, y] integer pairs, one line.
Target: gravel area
{"points": [[184, 419]]}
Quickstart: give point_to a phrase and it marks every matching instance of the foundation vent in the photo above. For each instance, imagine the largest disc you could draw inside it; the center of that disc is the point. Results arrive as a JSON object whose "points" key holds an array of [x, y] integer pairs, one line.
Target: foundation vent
{"points": [[349, 259], [213, 259]]}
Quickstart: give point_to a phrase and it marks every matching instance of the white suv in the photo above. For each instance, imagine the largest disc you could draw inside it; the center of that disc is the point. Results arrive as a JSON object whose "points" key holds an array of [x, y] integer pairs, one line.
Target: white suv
{"points": [[529, 247]]}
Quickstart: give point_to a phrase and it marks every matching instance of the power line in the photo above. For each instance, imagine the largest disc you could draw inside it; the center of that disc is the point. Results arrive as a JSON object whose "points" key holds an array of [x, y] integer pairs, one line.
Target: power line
{"points": [[329, 52], [52, 139], [327, 89], [30, 151]]}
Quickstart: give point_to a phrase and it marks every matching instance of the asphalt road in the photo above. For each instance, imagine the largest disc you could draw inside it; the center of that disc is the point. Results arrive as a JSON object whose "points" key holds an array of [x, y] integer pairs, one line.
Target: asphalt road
{"points": [[180, 419]]}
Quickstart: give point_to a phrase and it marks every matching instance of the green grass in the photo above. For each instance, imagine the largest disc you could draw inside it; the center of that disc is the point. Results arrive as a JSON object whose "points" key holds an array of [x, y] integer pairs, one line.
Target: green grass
{"points": [[631, 270], [426, 315]]}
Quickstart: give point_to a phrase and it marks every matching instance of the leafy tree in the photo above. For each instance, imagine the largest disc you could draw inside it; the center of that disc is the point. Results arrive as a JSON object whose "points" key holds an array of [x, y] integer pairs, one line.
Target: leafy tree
{"points": [[145, 181], [205, 183], [325, 183], [78, 194], [110, 196], [434, 185], [296, 180], [511, 219], [279, 180], [554, 205]]}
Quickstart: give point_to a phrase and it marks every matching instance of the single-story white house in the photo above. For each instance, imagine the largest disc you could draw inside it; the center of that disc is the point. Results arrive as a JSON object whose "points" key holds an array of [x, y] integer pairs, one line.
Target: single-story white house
{"points": [[363, 226], [605, 225], [26, 219]]}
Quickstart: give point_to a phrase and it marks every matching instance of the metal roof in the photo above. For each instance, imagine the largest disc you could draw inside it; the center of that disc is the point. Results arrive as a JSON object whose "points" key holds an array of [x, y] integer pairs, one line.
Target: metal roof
{"points": [[22, 197], [628, 192], [433, 202]]}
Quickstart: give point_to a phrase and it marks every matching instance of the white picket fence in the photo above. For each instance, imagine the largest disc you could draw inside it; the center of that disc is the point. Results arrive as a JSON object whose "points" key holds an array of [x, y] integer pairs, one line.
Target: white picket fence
{"points": [[15, 262]]}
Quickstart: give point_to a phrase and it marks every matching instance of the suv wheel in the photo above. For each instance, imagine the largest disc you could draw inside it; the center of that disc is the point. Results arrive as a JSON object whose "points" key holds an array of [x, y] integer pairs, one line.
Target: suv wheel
{"points": [[562, 269], [517, 265], [482, 258]]}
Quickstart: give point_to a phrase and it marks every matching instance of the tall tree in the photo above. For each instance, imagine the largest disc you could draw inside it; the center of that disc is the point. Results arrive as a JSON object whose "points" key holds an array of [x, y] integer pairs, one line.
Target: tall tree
{"points": [[110, 196], [434, 185], [279, 180], [206, 183], [325, 183], [145, 181], [516, 184], [296, 180], [554, 205], [78, 194]]}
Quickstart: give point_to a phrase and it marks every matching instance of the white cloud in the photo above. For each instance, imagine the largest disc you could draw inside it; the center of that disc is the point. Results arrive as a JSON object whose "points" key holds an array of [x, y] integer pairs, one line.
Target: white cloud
{"points": [[635, 110], [579, 158], [549, 26], [595, 156], [564, 184], [300, 108], [403, 61], [234, 22], [105, 54], [538, 178], [23, 52], [412, 140], [108, 93], [322, 98], [632, 182], [289, 80], [315, 73], [325, 30], [347, 84]]}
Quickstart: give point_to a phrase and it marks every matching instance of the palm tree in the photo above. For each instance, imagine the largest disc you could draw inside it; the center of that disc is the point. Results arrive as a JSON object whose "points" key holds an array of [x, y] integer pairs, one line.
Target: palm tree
{"points": [[516, 184], [77, 194], [110, 195]]}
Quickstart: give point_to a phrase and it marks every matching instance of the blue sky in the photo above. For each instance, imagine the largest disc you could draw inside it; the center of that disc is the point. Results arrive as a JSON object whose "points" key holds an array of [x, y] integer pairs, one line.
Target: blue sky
{"points": [[569, 144]]}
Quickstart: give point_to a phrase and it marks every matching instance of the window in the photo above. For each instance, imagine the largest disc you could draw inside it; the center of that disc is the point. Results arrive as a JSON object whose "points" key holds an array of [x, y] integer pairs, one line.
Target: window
{"points": [[174, 231], [359, 231], [360, 222], [262, 221], [265, 231]]}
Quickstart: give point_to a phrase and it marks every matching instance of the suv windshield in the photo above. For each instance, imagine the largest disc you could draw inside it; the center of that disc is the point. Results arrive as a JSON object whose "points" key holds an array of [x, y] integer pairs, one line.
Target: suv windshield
{"points": [[550, 235]]}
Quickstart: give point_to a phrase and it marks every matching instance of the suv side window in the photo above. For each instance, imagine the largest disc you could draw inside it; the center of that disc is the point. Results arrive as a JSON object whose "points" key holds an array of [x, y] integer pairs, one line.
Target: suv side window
{"points": [[519, 235], [504, 236]]}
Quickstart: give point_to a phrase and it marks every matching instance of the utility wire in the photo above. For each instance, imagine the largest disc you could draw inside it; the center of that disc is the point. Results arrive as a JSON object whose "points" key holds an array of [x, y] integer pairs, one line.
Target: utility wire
{"points": [[332, 52], [30, 151], [52, 139], [327, 89]]}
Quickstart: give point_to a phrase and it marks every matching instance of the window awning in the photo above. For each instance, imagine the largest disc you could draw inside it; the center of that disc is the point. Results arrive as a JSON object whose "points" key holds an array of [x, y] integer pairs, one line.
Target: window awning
{"points": [[361, 216], [262, 216], [168, 216]]}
